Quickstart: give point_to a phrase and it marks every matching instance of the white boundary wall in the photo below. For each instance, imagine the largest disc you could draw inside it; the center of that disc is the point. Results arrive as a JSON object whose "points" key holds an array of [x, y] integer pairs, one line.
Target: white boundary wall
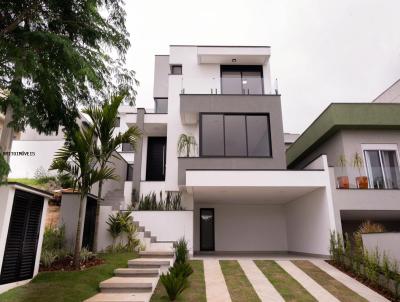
{"points": [[167, 225], [385, 242]]}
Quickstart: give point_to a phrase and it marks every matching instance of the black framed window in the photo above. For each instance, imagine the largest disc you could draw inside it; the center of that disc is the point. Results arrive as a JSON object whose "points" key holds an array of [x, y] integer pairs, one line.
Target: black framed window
{"points": [[242, 79], [127, 147], [161, 105], [176, 69], [235, 135]]}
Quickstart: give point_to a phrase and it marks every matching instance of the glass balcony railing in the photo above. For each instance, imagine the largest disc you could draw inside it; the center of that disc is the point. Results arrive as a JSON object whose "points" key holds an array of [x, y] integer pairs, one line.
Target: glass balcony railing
{"points": [[224, 85]]}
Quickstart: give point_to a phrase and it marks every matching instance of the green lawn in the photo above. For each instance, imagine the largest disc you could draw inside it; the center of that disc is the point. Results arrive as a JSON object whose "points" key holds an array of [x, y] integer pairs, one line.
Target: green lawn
{"points": [[336, 288], [67, 286], [239, 287], [195, 293], [288, 287]]}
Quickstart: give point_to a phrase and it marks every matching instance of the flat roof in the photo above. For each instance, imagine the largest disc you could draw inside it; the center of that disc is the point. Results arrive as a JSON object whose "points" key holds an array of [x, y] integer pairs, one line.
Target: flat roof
{"points": [[338, 116]]}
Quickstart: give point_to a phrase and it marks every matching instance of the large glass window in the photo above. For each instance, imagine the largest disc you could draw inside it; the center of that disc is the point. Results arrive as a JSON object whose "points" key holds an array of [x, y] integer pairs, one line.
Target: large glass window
{"points": [[235, 135], [258, 135], [383, 169], [240, 79], [212, 135]]}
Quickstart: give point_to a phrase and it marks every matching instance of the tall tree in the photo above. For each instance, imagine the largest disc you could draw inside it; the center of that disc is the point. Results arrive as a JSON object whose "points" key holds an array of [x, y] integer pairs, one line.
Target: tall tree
{"points": [[104, 120], [55, 55], [77, 159]]}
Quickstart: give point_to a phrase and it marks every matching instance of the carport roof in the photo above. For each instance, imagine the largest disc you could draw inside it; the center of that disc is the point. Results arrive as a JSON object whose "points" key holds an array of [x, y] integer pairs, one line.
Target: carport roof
{"points": [[339, 116]]}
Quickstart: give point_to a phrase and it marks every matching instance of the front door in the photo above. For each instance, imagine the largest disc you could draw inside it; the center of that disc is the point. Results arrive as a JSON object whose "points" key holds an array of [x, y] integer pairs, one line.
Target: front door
{"points": [[89, 224], [22, 239], [207, 230], [156, 156]]}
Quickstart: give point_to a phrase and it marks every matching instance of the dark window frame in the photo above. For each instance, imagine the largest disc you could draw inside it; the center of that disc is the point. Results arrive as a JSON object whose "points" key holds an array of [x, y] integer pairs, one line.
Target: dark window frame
{"points": [[129, 176], [241, 69], [176, 65], [223, 124]]}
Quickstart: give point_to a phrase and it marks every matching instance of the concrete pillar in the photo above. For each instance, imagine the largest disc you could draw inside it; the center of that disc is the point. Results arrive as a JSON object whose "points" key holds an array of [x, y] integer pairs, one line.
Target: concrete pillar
{"points": [[137, 165]]}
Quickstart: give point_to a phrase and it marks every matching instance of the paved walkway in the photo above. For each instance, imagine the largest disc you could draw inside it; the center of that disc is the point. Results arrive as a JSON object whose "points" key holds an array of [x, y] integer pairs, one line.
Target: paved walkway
{"points": [[351, 283], [264, 289], [216, 289], [316, 290]]}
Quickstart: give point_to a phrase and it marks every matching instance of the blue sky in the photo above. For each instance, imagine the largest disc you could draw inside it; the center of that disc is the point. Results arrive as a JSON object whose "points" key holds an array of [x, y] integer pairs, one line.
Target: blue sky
{"points": [[323, 51]]}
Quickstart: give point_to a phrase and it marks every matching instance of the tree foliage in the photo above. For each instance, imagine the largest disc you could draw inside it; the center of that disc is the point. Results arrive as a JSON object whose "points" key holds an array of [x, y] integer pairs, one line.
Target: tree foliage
{"points": [[55, 55]]}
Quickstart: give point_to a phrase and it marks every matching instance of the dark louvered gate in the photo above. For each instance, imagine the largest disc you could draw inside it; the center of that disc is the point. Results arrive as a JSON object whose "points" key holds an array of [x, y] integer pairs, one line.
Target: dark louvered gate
{"points": [[22, 239]]}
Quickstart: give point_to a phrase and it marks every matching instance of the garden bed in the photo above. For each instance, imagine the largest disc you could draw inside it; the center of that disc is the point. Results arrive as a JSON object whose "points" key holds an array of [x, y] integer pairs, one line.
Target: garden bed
{"points": [[66, 264], [375, 287]]}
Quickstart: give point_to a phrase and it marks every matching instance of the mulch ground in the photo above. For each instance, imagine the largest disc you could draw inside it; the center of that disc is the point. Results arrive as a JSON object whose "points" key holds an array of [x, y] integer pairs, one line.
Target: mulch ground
{"points": [[376, 287], [66, 264]]}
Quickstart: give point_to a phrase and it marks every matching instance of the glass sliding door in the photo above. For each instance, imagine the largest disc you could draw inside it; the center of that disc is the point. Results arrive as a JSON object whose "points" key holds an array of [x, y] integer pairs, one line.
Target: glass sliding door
{"points": [[383, 169], [242, 79]]}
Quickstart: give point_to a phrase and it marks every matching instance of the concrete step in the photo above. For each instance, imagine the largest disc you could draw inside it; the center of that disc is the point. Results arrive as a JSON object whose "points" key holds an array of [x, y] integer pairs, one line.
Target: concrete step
{"points": [[127, 285], [149, 263], [125, 297], [147, 234], [136, 272], [161, 246], [156, 254]]}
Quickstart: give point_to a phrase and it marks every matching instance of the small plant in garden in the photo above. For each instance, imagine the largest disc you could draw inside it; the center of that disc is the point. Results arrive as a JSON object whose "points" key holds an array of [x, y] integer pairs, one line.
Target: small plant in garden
{"points": [[115, 227], [386, 268], [48, 257], [121, 223], [86, 255], [181, 251], [149, 202], [181, 269], [174, 285]]}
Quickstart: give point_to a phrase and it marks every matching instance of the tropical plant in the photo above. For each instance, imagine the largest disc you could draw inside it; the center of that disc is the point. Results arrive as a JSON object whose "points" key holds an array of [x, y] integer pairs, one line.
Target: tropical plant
{"points": [[121, 223], [48, 257], [358, 162], [186, 144], [342, 162], [181, 251], [181, 269], [149, 202], [54, 238], [115, 226], [77, 158], [174, 285], [56, 55], [104, 120], [86, 255]]}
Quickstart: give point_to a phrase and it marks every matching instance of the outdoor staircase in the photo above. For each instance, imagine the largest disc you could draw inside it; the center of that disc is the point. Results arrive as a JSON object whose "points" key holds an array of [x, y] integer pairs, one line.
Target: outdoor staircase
{"points": [[115, 199], [137, 282]]}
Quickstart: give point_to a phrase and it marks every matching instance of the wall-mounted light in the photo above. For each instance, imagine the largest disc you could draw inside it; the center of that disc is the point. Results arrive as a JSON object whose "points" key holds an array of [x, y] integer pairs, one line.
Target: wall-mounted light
{"points": [[233, 60]]}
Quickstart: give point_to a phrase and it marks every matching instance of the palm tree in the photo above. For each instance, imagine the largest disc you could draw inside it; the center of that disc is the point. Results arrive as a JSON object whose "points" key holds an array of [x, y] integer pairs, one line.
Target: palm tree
{"points": [[186, 143], [104, 120], [77, 159]]}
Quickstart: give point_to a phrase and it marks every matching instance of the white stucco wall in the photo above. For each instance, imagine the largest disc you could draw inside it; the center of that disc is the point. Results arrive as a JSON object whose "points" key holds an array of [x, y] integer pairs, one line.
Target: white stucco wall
{"points": [[251, 228], [25, 166], [167, 225], [104, 238], [308, 224], [385, 242]]}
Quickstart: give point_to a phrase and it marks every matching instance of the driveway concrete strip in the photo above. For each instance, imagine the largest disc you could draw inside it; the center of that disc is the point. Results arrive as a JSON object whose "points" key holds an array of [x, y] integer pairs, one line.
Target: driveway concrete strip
{"points": [[264, 289], [216, 289], [350, 282], [316, 290]]}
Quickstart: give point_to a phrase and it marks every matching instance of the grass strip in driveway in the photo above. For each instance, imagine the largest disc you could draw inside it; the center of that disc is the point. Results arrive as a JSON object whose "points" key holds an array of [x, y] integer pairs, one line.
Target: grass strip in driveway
{"points": [[195, 293], [239, 287], [68, 286], [289, 288], [336, 288]]}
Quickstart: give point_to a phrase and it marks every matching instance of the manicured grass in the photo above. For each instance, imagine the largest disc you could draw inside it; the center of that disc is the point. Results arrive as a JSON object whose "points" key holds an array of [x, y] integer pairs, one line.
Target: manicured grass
{"points": [[26, 181], [289, 288], [68, 286], [239, 287], [195, 293], [336, 288]]}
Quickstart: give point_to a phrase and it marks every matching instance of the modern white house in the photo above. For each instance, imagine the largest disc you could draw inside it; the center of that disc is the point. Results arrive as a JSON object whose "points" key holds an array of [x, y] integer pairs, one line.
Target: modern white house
{"points": [[246, 187]]}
